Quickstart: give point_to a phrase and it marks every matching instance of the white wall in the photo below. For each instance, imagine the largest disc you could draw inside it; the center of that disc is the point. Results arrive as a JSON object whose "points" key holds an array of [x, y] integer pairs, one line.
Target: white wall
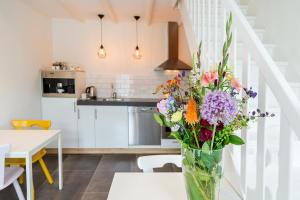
{"points": [[25, 48], [280, 18], [77, 43]]}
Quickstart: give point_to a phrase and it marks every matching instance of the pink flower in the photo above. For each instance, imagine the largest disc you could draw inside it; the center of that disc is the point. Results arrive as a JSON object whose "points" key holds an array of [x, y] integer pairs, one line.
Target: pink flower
{"points": [[236, 84], [209, 77]]}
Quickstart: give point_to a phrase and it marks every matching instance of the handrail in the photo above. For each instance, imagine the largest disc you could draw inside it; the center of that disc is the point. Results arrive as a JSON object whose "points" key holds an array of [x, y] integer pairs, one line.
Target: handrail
{"points": [[273, 77]]}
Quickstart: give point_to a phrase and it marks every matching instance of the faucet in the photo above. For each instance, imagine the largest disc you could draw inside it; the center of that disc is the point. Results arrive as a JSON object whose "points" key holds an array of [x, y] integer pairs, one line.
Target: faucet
{"points": [[114, 93]]}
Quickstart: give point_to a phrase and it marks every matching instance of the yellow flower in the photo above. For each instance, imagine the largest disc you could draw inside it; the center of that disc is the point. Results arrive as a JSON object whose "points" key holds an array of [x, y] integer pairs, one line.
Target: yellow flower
{"points": [[191, 114], [177, 116], [229, 76]]}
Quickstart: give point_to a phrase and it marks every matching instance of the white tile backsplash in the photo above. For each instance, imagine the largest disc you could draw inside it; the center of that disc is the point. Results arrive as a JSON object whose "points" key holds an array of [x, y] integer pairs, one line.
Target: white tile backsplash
{"points": [[128, 85]]}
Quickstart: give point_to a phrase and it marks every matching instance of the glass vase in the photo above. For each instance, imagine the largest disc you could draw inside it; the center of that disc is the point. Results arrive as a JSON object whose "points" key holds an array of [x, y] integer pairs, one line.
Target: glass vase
{"points": [[202, 173]]}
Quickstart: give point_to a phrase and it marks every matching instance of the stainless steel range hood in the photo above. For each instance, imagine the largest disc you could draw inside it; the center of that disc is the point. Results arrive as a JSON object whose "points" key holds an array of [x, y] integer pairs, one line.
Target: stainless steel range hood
{"points": [[173, 62]]}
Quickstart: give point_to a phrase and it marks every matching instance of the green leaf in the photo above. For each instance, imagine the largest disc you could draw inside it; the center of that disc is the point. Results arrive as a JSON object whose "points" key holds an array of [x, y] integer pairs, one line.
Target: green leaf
{"points": [[205, 148], [217, 156], [175, 135], [208, 160], [230, 19], [226, 59], [229, 41], [224, 49], [166, 123], [234, 139], [158, 119]]}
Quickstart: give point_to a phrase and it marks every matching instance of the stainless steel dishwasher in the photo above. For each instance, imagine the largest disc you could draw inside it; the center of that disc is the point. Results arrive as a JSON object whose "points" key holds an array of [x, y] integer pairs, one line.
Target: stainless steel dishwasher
{"points": [[143, 130]]}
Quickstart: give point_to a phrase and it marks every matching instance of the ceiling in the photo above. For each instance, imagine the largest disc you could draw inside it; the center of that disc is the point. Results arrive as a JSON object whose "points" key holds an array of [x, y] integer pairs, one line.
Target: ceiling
{"points": [[151, 11]]}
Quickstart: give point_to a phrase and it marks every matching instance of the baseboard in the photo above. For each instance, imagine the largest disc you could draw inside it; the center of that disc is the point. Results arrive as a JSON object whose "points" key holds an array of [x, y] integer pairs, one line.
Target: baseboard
{"points": [[116, 151]]}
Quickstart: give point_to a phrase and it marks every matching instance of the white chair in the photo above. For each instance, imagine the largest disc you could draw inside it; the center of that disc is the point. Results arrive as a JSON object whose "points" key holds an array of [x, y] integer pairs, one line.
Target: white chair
{"points": [[147, 163], [9, 175]]}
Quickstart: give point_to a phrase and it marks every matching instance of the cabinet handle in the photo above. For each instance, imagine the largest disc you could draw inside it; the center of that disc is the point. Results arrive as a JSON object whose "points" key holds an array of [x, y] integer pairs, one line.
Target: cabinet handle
{"points": [[74, 107], [96, 114], [78, 114]]}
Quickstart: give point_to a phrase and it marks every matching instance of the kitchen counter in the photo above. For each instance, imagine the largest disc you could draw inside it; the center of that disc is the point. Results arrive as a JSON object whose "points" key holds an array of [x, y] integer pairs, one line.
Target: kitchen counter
{"points": [[140, 102]]}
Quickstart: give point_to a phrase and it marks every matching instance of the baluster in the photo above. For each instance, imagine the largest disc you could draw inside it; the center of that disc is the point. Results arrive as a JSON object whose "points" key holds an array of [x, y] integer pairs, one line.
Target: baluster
{"points": [[196, 10], [195, 17], [208, 33], [203, 32], [261, 143], [189, 7], [216, 34], [285, 154], [245, 82], [199, 22], [224, 23]]}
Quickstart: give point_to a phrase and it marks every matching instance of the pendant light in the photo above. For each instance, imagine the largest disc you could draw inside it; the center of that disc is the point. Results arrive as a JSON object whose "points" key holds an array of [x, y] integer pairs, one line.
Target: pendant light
{"points": [[137, 52], [101, 51]]}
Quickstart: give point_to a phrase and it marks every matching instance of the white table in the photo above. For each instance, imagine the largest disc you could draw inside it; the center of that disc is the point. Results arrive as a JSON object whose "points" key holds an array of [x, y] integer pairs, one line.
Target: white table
{"points": [[158, 186], [25, 143]]}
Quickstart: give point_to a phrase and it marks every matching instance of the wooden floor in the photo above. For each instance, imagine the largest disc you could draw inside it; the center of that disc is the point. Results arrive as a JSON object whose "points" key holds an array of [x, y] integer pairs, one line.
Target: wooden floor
{"points": [[86, 177]]}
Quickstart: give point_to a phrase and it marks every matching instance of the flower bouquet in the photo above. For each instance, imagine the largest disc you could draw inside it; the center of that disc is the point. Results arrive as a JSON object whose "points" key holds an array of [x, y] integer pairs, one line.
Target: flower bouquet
{"points": [[203, 116]]}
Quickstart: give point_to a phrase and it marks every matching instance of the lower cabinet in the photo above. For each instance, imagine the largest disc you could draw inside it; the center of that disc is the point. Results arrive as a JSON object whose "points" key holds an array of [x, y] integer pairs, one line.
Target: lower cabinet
{"points": [[102, 126], [86, 126], [111, 127], [63, 115]]}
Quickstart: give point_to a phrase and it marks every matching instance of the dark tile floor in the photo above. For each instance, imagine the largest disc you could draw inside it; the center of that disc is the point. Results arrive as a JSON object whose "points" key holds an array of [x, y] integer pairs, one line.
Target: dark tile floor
{"points": [[86, 177]]}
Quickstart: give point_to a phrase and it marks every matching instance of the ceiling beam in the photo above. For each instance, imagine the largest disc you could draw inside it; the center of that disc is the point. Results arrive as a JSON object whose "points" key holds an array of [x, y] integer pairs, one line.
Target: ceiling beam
{"points": [[110, 11], [72, 10], [149, 11]]}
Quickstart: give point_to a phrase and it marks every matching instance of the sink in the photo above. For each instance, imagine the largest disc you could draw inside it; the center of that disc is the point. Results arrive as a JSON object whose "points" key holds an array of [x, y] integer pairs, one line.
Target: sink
{"points": [[113, 99]]}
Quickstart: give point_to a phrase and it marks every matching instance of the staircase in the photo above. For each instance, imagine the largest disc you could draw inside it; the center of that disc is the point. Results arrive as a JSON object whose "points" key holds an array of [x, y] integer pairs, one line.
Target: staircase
{"points": [[268, 166]]}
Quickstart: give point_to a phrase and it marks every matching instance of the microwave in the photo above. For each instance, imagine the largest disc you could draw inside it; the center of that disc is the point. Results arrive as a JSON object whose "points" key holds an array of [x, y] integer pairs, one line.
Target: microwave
{"points": [[63, 83]]}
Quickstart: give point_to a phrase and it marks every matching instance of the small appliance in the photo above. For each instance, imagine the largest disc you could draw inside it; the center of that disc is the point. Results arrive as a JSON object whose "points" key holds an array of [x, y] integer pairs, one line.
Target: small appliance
{"points": [[63, 83], [91, 92]]}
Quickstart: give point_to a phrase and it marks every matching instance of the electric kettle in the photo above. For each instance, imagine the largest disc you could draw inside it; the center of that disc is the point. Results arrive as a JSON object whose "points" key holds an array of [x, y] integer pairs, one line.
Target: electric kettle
{"points": [[91, 92]]}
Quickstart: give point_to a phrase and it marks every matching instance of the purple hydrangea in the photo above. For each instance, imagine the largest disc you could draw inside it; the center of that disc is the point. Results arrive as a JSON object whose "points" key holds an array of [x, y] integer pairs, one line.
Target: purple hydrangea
{"points": [[162, 107], [166, 106], [218, 107], [171, 104]]}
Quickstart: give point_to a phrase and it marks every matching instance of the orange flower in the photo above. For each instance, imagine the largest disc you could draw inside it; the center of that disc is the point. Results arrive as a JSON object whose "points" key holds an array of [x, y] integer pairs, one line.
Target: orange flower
{"points": [[191, 114]]}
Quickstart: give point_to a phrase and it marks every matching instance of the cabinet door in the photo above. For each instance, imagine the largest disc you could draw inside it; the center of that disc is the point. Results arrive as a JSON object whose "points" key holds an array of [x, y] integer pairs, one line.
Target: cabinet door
{"points": [[112, 127], [62, 113], [86, 126]]}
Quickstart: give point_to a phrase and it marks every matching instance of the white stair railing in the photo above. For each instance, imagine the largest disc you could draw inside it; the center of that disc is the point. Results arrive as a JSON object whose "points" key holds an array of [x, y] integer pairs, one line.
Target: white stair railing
{"points": [[207, 18]]}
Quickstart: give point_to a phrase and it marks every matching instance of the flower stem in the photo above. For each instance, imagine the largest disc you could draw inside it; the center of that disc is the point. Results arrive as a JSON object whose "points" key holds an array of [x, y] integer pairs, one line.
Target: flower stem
{"points": [[213, 138], [196, 139]]}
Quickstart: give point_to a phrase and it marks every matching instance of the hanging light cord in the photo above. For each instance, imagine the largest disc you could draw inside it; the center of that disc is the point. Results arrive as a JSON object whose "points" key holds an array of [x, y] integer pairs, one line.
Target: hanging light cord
{"points": [[136, 32], [101, 31]]}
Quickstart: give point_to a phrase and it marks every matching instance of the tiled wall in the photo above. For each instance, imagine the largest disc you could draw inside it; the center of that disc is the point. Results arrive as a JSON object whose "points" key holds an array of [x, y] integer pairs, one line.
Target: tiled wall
{"points": [[128, 85]]}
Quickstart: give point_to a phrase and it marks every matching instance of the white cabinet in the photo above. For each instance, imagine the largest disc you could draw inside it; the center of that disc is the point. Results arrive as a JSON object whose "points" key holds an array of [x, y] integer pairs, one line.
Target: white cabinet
{"points": [[111, 127], [63, 115], [86, 126]]}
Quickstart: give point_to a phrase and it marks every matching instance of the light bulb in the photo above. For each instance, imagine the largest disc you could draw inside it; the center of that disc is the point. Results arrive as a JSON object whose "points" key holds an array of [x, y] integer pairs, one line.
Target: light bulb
{"points": [[101, 52], [137, 53]]}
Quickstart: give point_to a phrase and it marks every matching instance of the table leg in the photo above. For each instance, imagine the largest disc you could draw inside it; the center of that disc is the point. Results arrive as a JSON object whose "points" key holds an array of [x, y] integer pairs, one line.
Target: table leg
{"points": [[60, 166], [29, 182]]}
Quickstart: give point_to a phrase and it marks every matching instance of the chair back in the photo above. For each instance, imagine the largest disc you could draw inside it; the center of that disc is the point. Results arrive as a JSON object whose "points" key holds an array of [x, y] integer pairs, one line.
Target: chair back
{"points": [[3, 150], [147, 163], [25, 124]]}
